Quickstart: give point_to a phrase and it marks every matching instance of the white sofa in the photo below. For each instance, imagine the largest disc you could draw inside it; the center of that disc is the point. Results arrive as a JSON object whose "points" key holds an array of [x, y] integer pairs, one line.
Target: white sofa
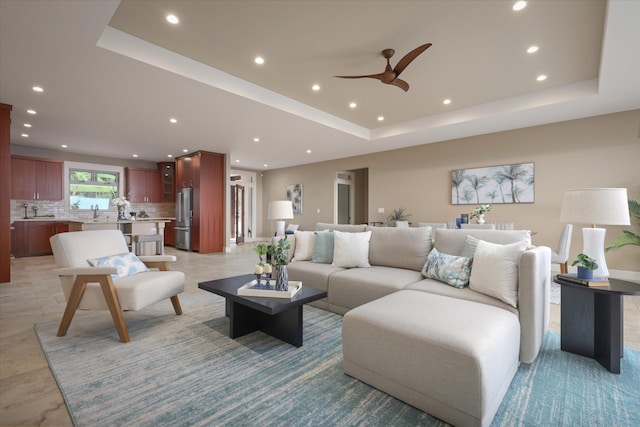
{"points": [[396, 318]]}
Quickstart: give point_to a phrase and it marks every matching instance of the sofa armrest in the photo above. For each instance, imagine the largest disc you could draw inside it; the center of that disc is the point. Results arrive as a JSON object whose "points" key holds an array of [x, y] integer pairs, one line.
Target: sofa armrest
{"points": [[86, 271], [157, 258], [534, 290]]}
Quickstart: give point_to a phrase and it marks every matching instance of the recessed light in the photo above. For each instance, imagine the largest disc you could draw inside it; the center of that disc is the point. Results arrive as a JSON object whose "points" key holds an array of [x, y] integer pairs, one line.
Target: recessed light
{"points": [[24, 135], [446, 101], [532, 49], [541, 78], [27, 125], [173, 120], [315, 87], [32, 112], [184, 150], [380, 118], [353, 105], [37, 89], [259, 60], [169, 155], [237, 161], [308, 151], [64, 146], [265, 165], [256, 139], [135, 155], [519, 5], [172, 19]]}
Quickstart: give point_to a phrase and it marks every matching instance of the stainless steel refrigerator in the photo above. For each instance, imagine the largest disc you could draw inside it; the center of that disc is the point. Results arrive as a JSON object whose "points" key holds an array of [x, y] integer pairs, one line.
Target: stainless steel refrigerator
{"points": [[184, 214]]}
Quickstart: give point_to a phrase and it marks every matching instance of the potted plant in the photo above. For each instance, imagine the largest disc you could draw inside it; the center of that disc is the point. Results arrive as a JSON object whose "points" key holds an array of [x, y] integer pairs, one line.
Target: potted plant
{"points": [[279, 254], [586, 265], [479, 212], [398, 215]]}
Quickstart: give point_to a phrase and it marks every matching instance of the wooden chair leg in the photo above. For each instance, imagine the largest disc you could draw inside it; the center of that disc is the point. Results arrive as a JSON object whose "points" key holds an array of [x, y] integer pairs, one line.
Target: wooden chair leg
{"points": [[563, 268], [113, 303], [79, 286], [176, 304]]}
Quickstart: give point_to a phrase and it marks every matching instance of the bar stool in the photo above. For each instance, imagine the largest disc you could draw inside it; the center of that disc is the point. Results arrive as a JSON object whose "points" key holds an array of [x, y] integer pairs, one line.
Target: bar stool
{"points": [[141, 239]]}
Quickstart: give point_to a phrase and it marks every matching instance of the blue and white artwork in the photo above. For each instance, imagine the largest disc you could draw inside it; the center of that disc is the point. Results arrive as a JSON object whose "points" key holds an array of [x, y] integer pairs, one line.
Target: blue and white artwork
{"points": [[493, 184]]}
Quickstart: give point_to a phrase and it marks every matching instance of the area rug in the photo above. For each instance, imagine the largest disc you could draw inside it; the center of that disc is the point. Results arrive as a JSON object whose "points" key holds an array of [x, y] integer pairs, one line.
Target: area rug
{"points": [[185, 371]]}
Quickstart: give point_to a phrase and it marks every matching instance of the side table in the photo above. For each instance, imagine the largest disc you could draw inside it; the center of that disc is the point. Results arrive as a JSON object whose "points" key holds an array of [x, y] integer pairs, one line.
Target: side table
{"points": [[591, 320]]}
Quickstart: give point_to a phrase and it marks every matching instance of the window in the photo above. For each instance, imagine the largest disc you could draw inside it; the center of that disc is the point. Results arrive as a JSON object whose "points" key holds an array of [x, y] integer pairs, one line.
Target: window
{"points": [[90, 185]]}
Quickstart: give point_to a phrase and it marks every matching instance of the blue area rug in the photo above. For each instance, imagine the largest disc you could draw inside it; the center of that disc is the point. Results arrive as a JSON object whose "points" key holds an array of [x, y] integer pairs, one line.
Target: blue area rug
{"points": [[185, 371]]}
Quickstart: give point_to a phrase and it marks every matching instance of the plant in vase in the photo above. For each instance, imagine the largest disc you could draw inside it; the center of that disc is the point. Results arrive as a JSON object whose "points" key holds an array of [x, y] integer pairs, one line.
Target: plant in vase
{"points": [[398, 215], [262, 250], [279, 258], [479, 212], [586, 265], [122, 204]]}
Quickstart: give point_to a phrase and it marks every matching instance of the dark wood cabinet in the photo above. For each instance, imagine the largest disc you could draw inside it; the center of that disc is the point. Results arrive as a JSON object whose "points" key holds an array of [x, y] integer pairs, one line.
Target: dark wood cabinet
{"points": [[35, 179], [31, 238], [206, 172], [168, 177], [170, 233], [143, 185]]}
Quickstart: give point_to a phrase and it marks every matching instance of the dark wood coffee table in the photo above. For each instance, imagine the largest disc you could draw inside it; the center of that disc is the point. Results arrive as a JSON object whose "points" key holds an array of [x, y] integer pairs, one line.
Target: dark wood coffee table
{"points": [[591, 320], [278, 317]]}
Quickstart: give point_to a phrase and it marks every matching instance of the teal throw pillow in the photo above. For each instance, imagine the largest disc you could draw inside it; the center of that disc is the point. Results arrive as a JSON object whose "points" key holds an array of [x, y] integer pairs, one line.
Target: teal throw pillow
{"points": [[128, 262], [323, 247], [450, 269]]}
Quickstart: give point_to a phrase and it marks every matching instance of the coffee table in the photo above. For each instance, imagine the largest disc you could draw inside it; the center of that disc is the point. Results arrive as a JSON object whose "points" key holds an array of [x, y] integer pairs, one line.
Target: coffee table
{"points": [[591, 320], [278, 317]]}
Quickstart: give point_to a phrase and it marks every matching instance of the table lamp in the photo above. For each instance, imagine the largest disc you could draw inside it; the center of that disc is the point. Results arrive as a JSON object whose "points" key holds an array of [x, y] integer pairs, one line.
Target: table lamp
{"points": [[606, 206], [280, 210]]}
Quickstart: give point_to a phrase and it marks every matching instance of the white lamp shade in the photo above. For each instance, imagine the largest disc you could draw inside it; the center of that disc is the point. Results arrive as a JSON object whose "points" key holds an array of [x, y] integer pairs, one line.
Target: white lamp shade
{"points": [[606, 206], [280, 209]]}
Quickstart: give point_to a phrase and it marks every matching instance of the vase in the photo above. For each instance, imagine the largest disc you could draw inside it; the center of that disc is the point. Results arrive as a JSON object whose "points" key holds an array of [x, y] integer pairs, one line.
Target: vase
{"points": [[121, 214], [481, 219], [282, 278]]}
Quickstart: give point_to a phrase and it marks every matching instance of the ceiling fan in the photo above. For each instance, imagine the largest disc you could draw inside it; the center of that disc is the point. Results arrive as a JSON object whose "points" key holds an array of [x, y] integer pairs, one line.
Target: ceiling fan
{"points": [[390, 76]]}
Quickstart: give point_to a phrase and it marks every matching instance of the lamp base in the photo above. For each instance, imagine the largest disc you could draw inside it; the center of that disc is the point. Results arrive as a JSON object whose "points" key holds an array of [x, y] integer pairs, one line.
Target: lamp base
{"points": [[279, 228], [593, 247]]}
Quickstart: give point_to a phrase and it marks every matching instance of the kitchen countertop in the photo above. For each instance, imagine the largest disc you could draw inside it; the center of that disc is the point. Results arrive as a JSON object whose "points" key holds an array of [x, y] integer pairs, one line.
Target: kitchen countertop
{"points": [[89, 221]]}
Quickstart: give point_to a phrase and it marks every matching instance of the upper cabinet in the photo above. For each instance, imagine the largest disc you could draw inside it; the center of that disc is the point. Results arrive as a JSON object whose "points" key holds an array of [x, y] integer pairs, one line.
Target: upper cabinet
{"points": [[35, 179], [188, 170], [168, 172], [143, 185]]}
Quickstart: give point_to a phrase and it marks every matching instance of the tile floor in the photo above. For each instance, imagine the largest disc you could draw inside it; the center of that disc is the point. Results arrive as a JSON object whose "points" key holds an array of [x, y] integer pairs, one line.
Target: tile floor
{"points": [[29, 395]]}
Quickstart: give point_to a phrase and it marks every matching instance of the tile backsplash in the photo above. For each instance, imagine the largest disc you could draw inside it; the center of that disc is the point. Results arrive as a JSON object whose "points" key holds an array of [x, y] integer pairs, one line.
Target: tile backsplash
{"points": [[59, 210]]}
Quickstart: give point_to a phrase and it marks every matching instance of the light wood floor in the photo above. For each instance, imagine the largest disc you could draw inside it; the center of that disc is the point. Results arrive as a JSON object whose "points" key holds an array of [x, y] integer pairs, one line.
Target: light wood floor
{"points": [[29, 395]]}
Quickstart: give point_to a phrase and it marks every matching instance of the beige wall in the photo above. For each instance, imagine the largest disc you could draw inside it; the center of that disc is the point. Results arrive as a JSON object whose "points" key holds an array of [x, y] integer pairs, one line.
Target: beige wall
{"points": [[602, 151]]}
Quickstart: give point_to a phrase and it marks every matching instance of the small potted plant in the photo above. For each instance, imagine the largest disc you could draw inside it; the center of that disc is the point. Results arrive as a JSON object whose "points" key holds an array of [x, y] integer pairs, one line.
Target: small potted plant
{"points": [[586, 265], [399, 217]]}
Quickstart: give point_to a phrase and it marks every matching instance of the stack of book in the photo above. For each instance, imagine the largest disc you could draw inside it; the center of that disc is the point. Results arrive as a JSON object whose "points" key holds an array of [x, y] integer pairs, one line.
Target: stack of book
{"points": [[574, 279]]}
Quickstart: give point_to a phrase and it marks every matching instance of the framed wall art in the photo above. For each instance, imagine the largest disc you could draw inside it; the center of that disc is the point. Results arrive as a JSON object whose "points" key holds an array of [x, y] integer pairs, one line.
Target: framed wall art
{"points": [[294, 193], [493, 184]]}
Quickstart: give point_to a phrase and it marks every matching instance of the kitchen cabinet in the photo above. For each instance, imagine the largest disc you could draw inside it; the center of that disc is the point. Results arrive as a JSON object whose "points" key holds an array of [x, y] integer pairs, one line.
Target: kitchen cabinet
{"points": [[168, 172], [170, 233], [36, 179], [206, 172], [31, 238], [143, 185]]}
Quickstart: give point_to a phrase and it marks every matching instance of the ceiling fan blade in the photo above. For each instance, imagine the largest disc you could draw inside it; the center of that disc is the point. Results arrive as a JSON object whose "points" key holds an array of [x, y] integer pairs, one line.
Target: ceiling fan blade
{"points": [[401, 84], [373, 76], [406, 60]]}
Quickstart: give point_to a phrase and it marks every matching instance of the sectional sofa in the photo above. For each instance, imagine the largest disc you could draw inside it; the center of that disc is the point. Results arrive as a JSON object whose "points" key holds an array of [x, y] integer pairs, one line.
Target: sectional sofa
{"points": [[442, 331]]}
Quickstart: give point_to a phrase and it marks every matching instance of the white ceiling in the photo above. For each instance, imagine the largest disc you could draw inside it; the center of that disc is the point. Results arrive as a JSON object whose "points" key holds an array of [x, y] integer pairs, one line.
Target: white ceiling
{"points": [[115, 72]]}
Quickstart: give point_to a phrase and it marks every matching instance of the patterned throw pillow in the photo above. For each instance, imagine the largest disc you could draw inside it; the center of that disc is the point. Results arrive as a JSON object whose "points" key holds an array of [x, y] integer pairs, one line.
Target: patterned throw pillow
{"points": [[450, 269], [128, 262]]}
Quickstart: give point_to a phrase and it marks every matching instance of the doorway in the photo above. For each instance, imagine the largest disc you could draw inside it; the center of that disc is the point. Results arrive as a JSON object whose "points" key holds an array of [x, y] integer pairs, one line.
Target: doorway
{"points": [[351, 197], [237, 213]]}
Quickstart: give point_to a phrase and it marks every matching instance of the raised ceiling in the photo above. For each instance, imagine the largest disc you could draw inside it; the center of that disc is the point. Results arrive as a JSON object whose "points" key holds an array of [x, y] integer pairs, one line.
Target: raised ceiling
{"points": [[115, 72]]}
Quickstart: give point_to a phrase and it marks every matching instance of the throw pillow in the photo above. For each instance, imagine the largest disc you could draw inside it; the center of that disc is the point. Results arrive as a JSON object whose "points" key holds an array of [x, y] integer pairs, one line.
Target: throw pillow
{"points": [[292, 227], [128, 262], [495, 270], [450, 269], [351, 249], [470, 245], [323, 247], [304, 246]]}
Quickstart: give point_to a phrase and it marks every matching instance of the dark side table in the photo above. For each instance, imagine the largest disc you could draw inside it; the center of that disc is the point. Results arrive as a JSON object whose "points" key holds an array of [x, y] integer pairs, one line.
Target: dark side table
{"points": [[591, 320]]}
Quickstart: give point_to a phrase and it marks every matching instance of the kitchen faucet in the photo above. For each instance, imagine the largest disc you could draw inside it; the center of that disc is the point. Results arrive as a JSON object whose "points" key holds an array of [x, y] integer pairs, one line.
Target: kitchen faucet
{"points": [[95, 211]]}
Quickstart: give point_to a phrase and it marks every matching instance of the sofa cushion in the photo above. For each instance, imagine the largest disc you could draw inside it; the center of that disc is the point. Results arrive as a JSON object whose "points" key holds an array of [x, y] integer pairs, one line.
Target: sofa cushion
{"points": [[345, 228], [304, 246], [450, 269], [399, 247], [128, 263], [323, 247], [495, 270], [450, 241], [351, 249], [312, 274]]}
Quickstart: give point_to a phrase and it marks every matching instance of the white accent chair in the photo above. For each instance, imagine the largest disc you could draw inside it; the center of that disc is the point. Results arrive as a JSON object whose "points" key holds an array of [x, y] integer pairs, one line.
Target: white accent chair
{"points": [[561, 254], [478, 226], [93, 288]]}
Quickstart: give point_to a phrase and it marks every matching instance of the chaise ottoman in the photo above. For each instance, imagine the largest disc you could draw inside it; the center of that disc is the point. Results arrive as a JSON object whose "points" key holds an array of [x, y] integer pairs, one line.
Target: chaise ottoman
{"points": [[451, 358]]}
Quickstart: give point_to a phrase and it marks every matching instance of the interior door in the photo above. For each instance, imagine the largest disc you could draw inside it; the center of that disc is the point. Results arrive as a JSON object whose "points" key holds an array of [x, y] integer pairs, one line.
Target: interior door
{"points": [[237, 213], [344, 198]]}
